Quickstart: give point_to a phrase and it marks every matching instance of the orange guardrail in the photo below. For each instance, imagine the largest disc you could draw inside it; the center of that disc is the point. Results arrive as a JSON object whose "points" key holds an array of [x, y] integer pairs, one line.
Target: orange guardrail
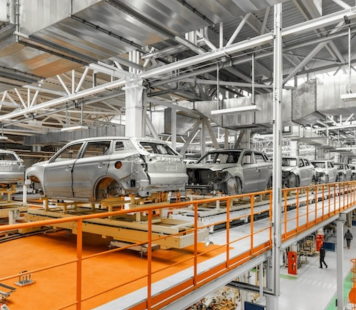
{"points": [[302, 208]]}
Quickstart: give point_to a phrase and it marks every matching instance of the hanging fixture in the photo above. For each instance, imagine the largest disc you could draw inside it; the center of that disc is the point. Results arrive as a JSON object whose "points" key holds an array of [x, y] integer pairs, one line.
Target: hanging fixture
{"points": [[77, 127], [2, 137]]}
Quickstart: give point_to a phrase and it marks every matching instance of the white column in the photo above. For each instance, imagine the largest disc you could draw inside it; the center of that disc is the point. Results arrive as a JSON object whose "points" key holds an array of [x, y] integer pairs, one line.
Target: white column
{"points": [[277, 151], [202, 138], [271, 301], [320, 154], [246, 140], [134, 109], [340, 261], [294, 148], [337, 157], [174, 128]]}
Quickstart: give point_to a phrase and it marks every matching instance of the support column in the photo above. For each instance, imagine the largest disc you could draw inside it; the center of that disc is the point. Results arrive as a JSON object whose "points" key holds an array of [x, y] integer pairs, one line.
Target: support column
{"points": [[271, 301], [320, 154], [337, 157], [226, 139], [174, 128], [246, 140], [134, 109], [203, 138], [294, 148], [277, 151], [340, 261]]}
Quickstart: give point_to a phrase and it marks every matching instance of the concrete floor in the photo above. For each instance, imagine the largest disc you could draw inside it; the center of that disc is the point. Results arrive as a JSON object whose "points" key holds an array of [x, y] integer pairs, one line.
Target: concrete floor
{"points": [[314, 288]]}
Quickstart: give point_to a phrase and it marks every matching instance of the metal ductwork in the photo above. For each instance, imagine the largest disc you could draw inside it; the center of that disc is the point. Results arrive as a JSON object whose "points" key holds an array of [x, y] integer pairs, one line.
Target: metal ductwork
{"points": [[61, 138]]}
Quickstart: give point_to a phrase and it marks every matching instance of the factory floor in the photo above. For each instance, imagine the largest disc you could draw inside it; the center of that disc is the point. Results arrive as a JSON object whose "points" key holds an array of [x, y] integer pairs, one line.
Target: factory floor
{"points": [[314, 288]]}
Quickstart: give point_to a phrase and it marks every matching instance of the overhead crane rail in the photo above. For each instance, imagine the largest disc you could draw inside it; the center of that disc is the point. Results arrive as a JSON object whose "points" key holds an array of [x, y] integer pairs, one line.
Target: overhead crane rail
{"points": [[201, 264]]}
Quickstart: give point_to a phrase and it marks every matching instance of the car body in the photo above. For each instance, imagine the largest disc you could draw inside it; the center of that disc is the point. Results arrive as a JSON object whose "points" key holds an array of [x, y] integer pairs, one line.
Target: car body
{"points": [[97, 168], [230, 172], [12, 168], [344, 172], [297, 171], [353, 171], [189, 161], [325, 170]]}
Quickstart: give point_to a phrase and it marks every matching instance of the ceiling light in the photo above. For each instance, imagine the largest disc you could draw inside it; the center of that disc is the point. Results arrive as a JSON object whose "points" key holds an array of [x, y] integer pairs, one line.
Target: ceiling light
{"points": [[3, 138], [348, 97], [73, 128], [249, 108]]}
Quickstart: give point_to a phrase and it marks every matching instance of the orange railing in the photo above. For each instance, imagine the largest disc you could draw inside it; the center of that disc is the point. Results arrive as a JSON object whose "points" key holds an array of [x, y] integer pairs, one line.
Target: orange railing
{"points": [[302, 208]]}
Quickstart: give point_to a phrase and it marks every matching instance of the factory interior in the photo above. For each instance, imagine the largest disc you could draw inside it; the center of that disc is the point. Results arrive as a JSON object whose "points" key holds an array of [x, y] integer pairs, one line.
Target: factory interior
{"points": [[178, 154]]}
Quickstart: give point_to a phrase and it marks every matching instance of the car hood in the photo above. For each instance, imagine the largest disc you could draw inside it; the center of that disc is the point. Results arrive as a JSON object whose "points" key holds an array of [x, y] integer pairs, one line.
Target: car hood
{"points": [[42, 163], [287, 169], [213, 167], [319, 169]]}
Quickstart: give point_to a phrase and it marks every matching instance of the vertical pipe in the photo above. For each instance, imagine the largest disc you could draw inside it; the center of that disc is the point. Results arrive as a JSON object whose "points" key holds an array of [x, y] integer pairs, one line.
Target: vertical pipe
{"points": [[285, 214], [349, 39], [307, 207], [253, 78], [261, 280], [277, 148], [339, 263], [322, 202], [79, 263], [149, 261], [316, 202], [221, 35]]}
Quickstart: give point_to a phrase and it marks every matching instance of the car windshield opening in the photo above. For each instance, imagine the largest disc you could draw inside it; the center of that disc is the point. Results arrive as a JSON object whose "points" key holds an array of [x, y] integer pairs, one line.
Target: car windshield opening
{"points": [[220, 158], [319, 165], [155, 148], [289, 162]]}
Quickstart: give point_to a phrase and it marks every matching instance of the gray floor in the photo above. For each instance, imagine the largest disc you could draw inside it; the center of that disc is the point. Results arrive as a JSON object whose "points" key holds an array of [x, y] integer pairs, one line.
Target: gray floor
{"points": [[314, 288]]}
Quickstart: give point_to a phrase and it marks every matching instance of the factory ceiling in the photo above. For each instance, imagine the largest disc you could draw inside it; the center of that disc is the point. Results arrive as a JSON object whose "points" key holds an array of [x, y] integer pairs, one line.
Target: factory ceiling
{"points": [[66, 62]]}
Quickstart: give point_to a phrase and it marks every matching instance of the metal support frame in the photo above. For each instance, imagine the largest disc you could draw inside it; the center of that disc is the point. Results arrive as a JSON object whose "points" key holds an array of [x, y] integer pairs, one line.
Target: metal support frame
{"points": [[340, 261], [277, 149]]}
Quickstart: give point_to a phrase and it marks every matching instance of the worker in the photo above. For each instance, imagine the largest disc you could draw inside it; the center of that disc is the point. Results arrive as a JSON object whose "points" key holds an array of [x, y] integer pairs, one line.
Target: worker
{"points": [[322, 257], [348, 236]]}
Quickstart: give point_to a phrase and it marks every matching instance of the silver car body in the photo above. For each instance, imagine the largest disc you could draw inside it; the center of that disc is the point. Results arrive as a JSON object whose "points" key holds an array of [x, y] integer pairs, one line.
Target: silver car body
{"points": [[96, 168], [325, 170], [231, 172], [297, 171], [344, 172], [353, 171], [12, 169]]}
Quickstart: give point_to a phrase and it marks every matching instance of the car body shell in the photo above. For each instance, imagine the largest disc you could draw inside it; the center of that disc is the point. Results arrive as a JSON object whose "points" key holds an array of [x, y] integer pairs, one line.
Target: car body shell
{"points": [[297, 171], [97, 168], [325, 170], [344, 172], [230, 172], [12, 168], [353, 171]]}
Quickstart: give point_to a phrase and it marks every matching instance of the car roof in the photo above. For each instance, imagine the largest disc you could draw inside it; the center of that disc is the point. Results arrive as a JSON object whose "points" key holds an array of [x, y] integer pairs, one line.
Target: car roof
{"points": [[118, 138], [233, 150]]}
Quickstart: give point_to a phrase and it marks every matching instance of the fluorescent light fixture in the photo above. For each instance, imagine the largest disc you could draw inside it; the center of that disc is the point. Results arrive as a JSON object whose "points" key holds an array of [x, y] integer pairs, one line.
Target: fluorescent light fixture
{"points": [[249, 108], [3, 138], [348, 97], [72, 128]]}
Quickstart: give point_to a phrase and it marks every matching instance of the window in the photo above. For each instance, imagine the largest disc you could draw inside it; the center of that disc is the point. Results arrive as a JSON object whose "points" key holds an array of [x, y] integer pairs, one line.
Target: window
{"points": [[306, 162], [247, 159], [155, 148], [119, 146], [70, 152], [301, 163], [259, 158], [8, 156], [330, 165], [97, 148]]}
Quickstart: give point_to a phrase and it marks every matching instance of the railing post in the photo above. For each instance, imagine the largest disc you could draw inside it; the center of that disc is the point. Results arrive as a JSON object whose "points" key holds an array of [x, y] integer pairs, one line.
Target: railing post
{"points": [[195, 243], [322, 201], [79, 262], [228, 202], [316, 202], [285, 214], [307, 218], [149, 261], [252, 221], [297, 211], [270, 216], [334, 199]]}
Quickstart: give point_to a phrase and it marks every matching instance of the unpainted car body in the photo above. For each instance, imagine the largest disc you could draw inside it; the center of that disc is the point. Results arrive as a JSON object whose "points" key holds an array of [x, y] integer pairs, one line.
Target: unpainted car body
{"points": [[231, 172], [297, 171], [344, 172], [325, 170], [353, 171], [97, 168], [12, 169]]}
